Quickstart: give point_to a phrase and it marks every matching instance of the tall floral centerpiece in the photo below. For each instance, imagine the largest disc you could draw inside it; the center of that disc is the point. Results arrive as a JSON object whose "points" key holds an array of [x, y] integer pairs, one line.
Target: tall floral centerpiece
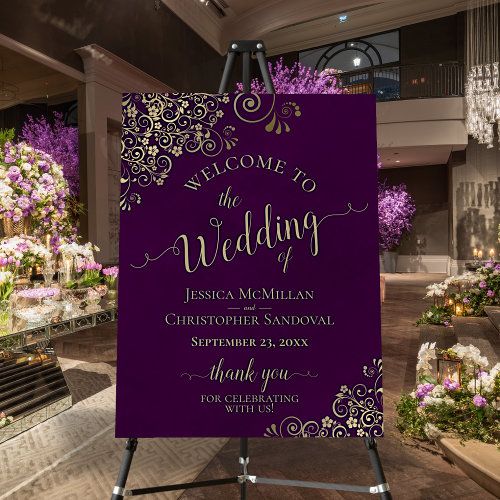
{"points": [[396, 209], [58, 140], [33, 193], [298, 79]]}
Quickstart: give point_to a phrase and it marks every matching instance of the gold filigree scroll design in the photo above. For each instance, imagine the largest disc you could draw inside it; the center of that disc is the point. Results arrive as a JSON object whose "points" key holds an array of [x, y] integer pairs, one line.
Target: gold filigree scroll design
{"points": [[163, 127], [356, 412], [250, 109]]}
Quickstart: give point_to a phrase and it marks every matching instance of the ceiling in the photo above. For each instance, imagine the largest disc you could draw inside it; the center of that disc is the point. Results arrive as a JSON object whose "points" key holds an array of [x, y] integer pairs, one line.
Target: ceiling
{"points": [[34, 82], [415, 156], [288, 25]]}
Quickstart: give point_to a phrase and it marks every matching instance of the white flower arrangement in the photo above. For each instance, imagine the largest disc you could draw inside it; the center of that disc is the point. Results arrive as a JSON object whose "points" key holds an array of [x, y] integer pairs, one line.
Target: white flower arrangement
{"points": [[437, 290], [470, 355], [22, 251], [426, 353], [81, 254]]}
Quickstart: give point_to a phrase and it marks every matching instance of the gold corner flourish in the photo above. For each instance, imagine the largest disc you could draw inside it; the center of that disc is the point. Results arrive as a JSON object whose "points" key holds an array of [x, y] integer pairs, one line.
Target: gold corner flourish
{"points": [[356, 412], [250, 109]]}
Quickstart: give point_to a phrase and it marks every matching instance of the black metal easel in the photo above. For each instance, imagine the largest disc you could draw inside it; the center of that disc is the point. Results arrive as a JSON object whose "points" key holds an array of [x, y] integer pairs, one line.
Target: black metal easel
{"points": [[246, 48]]}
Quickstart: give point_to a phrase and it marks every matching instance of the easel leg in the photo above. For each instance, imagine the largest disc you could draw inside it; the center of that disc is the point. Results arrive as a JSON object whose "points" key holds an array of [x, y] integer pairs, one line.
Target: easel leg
{"points": [[130, 448], [371, 445], [244, 466]]}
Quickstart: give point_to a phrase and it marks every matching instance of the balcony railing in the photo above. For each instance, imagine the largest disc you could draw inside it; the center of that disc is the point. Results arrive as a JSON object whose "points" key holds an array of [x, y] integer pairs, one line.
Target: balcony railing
{"points": [[391, 82]]}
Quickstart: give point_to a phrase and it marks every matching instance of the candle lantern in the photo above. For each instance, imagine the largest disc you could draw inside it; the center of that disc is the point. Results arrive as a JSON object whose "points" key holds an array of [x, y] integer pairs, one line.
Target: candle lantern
{"points": [[474, 253], [492, 253], [479, 254], [459, 309], [449, 367]]}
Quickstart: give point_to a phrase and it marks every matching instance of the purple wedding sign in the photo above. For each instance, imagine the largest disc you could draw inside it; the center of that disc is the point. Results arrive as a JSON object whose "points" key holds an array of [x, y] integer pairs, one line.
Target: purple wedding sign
{"points": [[249, 285]]}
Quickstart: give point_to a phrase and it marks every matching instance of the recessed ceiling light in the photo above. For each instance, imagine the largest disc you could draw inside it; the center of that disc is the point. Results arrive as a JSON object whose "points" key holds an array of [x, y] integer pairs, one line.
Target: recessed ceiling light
{"points": [[356, 61], [398, 161], [343, 18]]}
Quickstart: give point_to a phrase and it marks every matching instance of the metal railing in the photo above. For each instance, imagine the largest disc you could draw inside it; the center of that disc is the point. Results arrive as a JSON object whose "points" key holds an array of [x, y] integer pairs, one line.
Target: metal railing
{"points": [[391, 82]]}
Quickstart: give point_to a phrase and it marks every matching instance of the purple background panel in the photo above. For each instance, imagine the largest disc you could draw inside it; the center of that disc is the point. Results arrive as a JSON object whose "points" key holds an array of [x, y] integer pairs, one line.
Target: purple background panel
{"points": [[329, 387]]}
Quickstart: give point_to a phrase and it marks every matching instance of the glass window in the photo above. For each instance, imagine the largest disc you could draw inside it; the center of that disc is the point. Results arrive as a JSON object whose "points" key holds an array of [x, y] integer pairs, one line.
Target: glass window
{"points": [[352, 55]]}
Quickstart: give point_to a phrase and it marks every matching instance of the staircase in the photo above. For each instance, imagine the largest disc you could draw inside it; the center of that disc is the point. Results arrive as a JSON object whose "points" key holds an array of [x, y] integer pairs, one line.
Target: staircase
{"points": [[32, 389], [481, 333]]}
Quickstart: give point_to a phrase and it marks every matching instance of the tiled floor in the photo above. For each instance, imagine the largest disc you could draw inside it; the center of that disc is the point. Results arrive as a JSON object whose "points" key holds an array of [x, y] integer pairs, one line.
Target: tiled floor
{"points": [[75, 456]]}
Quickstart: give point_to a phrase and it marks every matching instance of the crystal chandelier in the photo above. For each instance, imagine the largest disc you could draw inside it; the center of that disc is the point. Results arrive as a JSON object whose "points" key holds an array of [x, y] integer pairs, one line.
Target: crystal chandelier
{"points": [[482, 92]]}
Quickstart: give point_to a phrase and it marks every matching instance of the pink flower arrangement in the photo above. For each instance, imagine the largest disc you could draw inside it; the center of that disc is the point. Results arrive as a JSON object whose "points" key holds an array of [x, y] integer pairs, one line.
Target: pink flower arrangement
{"points": [[111, 271], [60, 141], [298, 79], [38, 293], [32, 184], [396, 209], [110, 274]]}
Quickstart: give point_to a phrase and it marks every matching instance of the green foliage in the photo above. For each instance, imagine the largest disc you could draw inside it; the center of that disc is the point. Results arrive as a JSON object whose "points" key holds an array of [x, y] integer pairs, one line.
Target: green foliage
{"points": [[6, 135], [456, 414], [409, 421], [436, 315], [88, 279]]}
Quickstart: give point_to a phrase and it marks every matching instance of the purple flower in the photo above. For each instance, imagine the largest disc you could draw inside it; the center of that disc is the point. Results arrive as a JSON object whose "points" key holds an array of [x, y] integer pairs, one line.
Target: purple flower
{"points": [[451, 385], [396, 209], [24, 203], [497, 267], [110, 271], [3, 261], [479, 401], [489, 264], [482, 284], [298, 79], [423, 390], [14, 173], [60, 142], [466, 300], [47, 179], [490, 293]]}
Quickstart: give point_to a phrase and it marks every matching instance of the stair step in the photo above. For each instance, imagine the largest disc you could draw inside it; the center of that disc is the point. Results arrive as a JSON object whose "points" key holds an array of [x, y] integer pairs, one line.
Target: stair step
{"points": [[26, 370], [481, 333], [493, 313], [443, 336], [30, 386], [30, 394], [478, 460], [30, 377], [6, 363], [37, 401], [5, 369]]}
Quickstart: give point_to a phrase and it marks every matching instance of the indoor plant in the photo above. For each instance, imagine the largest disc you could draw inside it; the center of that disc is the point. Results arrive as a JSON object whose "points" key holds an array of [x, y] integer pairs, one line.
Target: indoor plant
{"points": [[463, 405], [396, 209], [33, 192]]}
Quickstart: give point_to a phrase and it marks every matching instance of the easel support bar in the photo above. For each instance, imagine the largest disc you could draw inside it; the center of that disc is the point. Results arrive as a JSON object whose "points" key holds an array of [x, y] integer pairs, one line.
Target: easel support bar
{"points": [[246, 48]]}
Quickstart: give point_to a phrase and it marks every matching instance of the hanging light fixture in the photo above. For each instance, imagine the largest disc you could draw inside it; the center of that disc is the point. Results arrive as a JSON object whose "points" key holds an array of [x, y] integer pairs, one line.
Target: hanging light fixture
{"points": [[482, 92], [8, 91]]}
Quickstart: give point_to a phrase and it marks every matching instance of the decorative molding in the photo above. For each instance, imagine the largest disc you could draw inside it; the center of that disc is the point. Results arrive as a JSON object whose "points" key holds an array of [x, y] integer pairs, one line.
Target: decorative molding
{"points": [[111, 71], [37, 56], [201, 20], [421, 264], [363, 22]]}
